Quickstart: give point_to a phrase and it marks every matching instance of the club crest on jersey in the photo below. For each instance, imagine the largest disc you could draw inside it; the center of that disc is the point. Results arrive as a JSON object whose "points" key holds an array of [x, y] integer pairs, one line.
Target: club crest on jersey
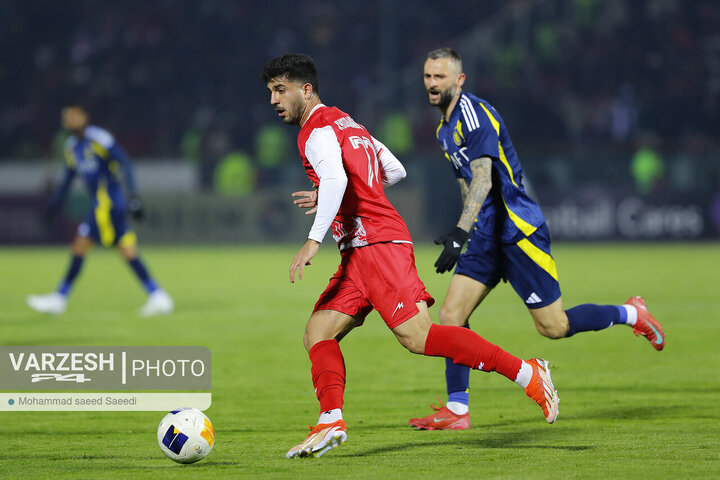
{"points": [[457, 138]]}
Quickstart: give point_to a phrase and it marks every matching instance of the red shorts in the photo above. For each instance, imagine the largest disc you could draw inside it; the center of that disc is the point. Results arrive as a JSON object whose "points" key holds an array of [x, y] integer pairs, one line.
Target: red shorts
{"points": [[380, 276]]}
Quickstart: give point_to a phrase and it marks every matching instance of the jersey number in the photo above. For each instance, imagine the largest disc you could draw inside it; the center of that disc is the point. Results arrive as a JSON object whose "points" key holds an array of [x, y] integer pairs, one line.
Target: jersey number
{"points": [[367, 146]]}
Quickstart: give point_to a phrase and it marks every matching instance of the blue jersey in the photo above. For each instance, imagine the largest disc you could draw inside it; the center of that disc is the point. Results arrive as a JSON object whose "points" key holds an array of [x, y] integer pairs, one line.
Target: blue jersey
{"points": [[474, 130], [99, 159]]}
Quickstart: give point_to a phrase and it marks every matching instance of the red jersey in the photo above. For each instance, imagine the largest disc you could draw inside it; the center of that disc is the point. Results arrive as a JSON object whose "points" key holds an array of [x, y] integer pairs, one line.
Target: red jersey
{"points": [[365, 215]]}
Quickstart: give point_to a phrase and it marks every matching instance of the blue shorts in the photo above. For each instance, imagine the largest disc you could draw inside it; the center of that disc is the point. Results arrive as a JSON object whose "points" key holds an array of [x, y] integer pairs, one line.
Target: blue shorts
{"points": [[107, 226], [527, 265]]}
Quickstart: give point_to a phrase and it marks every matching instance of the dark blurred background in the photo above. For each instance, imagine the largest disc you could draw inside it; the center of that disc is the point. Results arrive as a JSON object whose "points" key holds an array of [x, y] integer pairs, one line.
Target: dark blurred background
{"points": [[613, 107]]}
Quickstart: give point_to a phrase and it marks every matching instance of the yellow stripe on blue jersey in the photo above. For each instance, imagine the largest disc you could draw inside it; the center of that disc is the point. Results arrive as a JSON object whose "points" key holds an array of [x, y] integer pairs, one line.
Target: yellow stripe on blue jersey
{"points": [[103, 218], [458, 127], [70, 159], [495, 123], [543, 259], [504, 161], [503, 158], [101, 151], [524, 226]]}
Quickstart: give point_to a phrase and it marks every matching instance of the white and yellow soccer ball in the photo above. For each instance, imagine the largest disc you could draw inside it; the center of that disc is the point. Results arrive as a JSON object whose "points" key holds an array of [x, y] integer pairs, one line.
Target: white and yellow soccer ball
{"points": [[186, 435]]}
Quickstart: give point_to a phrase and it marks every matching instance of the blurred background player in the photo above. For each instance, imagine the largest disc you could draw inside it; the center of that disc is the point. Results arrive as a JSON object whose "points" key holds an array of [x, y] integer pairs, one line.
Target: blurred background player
{"points": [[93, 153], [377, 270], [506, 234]]}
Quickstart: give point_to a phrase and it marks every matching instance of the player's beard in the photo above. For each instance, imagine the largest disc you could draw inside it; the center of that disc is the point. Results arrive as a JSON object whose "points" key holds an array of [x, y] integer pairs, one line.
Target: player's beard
{"points": [[446, 97], [294, 112]]}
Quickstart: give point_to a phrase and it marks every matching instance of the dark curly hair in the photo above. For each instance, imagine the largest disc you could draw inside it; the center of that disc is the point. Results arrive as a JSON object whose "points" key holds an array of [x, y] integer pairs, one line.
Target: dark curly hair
{"points": [[294, 66]]}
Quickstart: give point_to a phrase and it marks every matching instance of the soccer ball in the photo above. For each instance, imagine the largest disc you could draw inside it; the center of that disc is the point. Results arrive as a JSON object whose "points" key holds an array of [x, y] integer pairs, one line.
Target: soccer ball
{"points": [[186, 435]]}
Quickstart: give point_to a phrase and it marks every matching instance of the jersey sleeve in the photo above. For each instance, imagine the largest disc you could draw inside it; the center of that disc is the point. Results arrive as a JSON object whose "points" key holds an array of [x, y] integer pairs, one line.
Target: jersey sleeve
{"points": [[100, 141], [392, 170], [119, 154], [325, 155], [100, 136], [481, 131], [104, 145]]}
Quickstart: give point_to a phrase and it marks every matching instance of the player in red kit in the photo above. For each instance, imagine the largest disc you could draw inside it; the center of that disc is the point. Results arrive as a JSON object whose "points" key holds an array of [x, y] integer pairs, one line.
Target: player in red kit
{"points": [[350, 169]]}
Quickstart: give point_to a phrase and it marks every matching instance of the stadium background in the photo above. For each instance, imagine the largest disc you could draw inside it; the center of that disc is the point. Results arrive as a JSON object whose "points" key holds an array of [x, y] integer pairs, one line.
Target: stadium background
{"points": [[588, 88], [613, 106]]}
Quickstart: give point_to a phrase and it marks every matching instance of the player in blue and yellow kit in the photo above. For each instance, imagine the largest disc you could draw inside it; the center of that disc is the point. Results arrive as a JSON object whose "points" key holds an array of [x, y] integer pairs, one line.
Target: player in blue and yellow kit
{"points": [[93, 153], [505, 233]]}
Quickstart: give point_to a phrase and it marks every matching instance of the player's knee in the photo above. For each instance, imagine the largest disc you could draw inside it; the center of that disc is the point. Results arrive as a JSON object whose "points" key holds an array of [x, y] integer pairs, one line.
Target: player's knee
{"points": [[311, 338], [128, 253], [80, 246], [414, 344], [552, 329], [413, 338], [450, 315]]}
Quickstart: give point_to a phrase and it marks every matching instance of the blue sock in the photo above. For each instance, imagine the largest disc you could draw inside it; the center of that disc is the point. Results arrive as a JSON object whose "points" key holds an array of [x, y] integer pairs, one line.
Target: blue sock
{"points": [[75, 266], [587, 317], [139, 268], [458, 381], [623, 314]]}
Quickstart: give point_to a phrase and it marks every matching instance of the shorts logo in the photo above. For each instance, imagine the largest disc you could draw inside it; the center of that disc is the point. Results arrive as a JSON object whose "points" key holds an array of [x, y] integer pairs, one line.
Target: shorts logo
{"points": [[399, 306], [533, 298]]}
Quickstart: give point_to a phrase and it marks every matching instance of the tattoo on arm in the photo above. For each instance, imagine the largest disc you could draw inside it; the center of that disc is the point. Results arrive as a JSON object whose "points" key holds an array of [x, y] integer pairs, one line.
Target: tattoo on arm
{"points": [[463, 188], [477, 191]]}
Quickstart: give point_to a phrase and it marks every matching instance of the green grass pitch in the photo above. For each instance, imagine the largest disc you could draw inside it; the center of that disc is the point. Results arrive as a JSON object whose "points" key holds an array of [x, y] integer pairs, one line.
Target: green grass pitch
{"points": [[627, 411]]}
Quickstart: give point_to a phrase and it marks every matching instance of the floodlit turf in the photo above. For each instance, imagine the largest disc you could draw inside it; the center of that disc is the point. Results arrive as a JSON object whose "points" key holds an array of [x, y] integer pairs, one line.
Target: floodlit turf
{"points": [[627, 411]]}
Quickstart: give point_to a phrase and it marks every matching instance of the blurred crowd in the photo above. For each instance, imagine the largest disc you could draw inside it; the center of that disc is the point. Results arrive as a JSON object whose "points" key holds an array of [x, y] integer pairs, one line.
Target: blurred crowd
{"points": [[180, 78]]}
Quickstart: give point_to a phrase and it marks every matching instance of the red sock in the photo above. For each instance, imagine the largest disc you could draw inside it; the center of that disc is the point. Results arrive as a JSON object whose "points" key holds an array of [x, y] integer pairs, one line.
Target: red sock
{"points": [[328, 374], [466, 347]]}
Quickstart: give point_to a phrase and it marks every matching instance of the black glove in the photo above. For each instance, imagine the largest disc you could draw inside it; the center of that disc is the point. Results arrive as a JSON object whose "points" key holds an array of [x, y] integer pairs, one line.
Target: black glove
{"points": [[451, 252], [135, 207]]}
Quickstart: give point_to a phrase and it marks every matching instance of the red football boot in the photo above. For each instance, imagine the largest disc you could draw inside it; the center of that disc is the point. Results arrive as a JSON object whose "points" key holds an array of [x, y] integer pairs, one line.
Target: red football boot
{"points": [[646, 325], [541, 389], [322, 438], [442, 419]]}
